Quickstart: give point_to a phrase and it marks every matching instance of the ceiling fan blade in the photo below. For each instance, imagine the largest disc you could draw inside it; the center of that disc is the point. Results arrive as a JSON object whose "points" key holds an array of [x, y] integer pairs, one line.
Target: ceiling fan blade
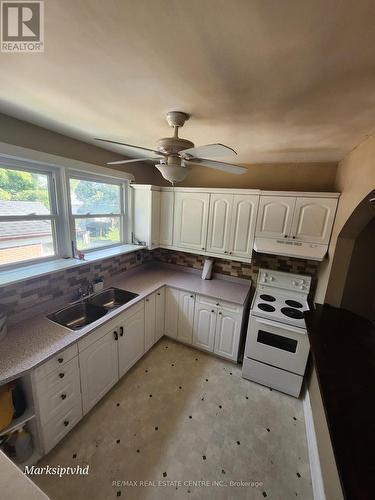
{"points": [[218, 165], [211, 150], [129, 145], [121, 162]]}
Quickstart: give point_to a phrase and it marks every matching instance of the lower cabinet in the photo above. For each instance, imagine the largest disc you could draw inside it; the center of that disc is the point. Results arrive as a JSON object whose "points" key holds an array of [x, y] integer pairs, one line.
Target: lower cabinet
{"points": [[150, 313], [204, 324], [228, 332], [217, 327], [186, 303], [99, 369], [171, 312], [131, 345]]}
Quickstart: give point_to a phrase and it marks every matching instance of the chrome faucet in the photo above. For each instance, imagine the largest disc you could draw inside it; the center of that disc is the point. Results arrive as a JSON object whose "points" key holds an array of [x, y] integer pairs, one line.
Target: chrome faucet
{"points": [[85, 291]]}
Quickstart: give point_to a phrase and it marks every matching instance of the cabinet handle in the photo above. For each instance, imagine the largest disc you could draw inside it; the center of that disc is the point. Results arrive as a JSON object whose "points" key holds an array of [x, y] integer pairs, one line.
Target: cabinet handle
{"points": [[212, 310], [61, 375], [115, 334], [60, 360], [63, 396], [158, 293], [121, 331], [285, 235], [225, 251], [66, 423], [217, 303], [230, 253], [294, 237], [192, 296], [147, 300], [220, 312]]}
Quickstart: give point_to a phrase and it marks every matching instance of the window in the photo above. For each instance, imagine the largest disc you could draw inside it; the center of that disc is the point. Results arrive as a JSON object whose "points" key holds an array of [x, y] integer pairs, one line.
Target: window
{"points": [[97, 213], [27, 215]]}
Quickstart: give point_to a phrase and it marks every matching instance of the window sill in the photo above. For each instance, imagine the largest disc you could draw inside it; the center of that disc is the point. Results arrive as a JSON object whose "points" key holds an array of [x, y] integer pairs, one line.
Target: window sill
{"points": [[53, 266]]}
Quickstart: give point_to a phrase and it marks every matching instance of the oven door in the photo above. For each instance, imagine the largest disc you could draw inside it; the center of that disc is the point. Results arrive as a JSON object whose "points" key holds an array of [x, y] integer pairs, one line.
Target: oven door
{"points": [[284, 346]]}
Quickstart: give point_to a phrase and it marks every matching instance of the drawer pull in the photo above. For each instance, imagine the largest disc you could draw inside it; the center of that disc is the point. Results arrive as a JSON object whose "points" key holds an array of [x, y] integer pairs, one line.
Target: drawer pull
{"points": [[158, 293], [115, 334], [212, 310], [192, 296], [61, 375], [63, 396], [66, 423], [217, 303], [60, 360], [121, 331], [147, 300], [220, 312]]}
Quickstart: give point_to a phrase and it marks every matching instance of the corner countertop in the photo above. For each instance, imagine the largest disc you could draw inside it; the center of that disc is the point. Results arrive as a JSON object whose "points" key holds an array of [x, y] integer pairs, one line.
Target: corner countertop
{"points": [[343, 349], [34, 341], [14, 484]]}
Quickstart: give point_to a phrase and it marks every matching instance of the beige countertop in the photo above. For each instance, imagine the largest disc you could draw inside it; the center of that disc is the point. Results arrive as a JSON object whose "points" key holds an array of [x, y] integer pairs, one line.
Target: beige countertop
{"points": [[15, 485], [34, 341]]}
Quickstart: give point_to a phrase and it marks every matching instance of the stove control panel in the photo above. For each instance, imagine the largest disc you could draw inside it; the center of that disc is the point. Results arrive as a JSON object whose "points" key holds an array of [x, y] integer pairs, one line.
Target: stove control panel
{"points": [[286, 281]]}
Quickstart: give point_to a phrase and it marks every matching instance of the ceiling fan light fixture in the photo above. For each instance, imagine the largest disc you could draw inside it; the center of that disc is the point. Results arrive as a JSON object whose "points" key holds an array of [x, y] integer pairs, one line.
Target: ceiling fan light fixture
{"points": [[173, 173]]}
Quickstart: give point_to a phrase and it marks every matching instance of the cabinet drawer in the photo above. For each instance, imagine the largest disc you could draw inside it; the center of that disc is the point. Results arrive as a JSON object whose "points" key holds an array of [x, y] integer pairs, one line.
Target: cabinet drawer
{"points": [[57, 395], [230, 306], [56, 362], [57, 428], [56, 381]]}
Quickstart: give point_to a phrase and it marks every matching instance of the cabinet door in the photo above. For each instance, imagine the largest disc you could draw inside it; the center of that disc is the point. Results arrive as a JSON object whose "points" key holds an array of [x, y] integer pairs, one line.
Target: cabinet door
{"points": [[171, 312], [160, 313], [131, 346], [166, 218], [186, 302], [228, 332], [150, 311], [99, 369], [155, 218], [275, 216], [219, 221], [244, 214], [204, 326], [313, 219], [190, 220]]}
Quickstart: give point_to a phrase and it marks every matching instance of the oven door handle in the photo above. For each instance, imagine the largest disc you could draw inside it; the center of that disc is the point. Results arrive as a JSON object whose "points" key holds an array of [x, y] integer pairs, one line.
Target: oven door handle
{"points": [[281, 326]]}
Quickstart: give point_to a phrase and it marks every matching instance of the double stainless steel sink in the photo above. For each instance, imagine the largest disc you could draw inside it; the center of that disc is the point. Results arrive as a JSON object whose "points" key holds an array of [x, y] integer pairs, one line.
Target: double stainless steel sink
{"points": [[87, 311]]}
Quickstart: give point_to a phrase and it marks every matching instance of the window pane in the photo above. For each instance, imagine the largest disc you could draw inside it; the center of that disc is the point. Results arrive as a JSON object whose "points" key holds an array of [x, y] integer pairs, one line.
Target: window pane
{"points": [[25, 240], [23, 193], [97, 232], [89, 197]]}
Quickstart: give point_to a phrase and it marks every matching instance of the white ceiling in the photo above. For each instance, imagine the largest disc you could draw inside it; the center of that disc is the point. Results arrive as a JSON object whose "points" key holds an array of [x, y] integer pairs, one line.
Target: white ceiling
{"points": [[277, 80]]}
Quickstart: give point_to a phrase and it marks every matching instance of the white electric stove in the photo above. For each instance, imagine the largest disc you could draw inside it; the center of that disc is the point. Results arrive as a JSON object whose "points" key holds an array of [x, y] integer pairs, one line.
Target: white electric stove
{"points": [[277, 346]]}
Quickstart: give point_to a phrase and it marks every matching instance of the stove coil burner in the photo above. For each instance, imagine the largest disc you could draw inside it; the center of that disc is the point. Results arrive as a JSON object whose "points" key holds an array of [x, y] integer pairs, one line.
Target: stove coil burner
{"points": [[293, 303], [292, 313], [268, 298], [266, 307]]}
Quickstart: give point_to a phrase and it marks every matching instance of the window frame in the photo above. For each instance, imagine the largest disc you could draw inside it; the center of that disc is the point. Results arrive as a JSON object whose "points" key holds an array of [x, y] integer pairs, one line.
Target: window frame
{"points": [[63, 229], [54, 216], [105, 179]]}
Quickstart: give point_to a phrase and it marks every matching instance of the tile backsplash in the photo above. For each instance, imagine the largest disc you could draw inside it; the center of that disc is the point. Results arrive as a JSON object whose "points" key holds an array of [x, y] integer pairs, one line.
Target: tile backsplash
{"points": [[39, 295], [44, 294]]}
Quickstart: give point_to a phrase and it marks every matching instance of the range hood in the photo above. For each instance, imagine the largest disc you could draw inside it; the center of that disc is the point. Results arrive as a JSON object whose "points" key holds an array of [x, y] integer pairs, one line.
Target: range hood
{"points": [[291, 248]]}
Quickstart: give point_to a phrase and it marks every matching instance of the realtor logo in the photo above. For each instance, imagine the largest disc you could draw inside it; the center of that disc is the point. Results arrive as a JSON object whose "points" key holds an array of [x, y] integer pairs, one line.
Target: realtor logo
{"points": [[22, 26]]}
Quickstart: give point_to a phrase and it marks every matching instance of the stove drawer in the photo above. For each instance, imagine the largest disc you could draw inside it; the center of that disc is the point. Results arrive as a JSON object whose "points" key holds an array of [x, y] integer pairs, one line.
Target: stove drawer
{"points": [[281, 380], [276, 344]]}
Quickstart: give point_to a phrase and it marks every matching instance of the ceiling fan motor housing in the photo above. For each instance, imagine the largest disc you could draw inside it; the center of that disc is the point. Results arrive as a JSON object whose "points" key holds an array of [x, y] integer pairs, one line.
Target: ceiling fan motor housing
{"points": [[173, 145]]}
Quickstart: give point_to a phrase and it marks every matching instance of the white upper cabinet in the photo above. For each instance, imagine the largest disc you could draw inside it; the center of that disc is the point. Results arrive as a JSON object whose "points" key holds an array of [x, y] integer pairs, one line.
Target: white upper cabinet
{"points": [[313, 219], [244, 213], [146, 214], [275, 216], [186, 302], [219, 222], [166, 218], [190, 220]]}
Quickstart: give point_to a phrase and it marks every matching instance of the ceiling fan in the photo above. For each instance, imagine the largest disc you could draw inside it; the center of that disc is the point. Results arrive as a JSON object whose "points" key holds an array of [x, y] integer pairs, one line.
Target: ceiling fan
{"points": [[176, 154]]}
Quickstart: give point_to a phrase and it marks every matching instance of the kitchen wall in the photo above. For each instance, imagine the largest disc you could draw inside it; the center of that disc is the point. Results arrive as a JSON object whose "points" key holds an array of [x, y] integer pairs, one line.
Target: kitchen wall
{"points": [[298, 176], [355, 179], [24, 134]]}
